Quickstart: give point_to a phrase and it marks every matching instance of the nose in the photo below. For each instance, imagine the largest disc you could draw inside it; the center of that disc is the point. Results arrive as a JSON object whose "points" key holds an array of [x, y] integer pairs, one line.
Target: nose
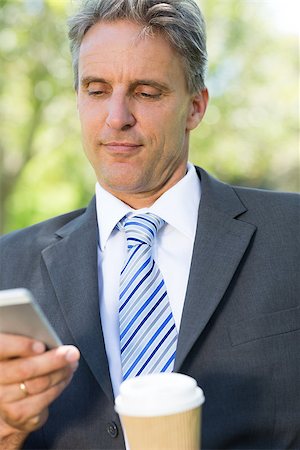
{"points": [[119, 115]]}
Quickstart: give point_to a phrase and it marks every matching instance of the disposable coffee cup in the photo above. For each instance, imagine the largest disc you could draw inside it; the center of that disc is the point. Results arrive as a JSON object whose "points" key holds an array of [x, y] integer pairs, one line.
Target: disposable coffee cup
{"points": [[161, 412]]}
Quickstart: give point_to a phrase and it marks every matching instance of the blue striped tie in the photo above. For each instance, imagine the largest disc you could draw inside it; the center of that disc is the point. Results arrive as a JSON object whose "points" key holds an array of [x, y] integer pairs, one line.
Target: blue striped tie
{"points": [[148, 335]]}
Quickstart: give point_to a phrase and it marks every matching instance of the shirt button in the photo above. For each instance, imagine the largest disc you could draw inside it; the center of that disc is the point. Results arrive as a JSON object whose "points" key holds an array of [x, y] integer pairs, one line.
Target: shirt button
{"points": [[112, 429]]}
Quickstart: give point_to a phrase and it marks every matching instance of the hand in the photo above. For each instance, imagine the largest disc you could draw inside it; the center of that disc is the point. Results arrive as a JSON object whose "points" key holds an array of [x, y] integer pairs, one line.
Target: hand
{"points": [[30, 379]]}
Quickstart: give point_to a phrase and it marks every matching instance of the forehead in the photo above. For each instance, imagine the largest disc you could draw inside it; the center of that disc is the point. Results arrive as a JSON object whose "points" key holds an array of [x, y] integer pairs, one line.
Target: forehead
{"points": [[120, 47]]}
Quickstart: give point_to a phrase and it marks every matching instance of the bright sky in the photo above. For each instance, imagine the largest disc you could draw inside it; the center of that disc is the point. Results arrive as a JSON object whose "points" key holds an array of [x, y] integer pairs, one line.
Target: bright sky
{"points": [[285, 14]]}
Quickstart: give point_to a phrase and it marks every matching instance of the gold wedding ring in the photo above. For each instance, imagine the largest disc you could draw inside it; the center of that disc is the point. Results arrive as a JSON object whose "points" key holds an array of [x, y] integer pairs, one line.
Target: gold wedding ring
{"points": [[23, 388]]}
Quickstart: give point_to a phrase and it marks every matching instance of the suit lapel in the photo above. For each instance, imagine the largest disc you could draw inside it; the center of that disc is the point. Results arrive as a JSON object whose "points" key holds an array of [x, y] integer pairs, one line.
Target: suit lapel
{"points": [[72, 267], [220, 243]]}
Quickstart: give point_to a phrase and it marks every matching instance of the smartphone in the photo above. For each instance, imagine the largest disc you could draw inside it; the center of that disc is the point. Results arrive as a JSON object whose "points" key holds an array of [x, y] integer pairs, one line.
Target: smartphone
{"points": [[20, 314]]}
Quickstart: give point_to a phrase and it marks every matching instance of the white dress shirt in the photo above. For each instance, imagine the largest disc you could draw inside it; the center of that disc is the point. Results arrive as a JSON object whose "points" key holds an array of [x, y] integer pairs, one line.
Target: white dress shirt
{"points": [[172, 248]]}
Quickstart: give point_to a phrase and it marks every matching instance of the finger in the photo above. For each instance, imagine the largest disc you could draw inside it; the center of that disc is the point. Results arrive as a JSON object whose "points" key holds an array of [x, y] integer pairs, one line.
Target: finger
{"points": [[23, 369], [38, 385], [28, 414], [37, 421], [8, 432], [12, 346], [14, 392]]}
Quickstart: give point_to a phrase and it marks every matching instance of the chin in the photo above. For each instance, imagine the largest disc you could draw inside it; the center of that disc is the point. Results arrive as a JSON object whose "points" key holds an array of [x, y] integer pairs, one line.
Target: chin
{"points": [[121, 176], [120, 184]]}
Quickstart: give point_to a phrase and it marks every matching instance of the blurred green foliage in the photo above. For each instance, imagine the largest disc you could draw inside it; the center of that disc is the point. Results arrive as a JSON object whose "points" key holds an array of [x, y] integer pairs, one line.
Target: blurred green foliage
{"points": [[249, 135]]}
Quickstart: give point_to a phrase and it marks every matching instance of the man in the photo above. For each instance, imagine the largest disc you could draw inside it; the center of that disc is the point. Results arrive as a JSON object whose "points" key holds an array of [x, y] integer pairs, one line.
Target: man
{"points": [[228, 256]]}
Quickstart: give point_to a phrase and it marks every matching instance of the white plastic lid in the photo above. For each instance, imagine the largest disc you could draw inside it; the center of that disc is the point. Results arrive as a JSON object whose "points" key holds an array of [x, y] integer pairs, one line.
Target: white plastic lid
{"points": [[158, 394]]}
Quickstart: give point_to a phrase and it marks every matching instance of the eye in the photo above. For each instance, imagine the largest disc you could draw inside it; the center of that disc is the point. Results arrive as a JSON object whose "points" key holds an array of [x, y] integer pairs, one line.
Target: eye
{"points": [[148, 93], [95, 93], [96, 89]]}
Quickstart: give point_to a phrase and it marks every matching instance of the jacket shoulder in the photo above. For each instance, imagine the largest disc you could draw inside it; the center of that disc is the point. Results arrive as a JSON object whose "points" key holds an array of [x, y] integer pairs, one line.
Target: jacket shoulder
{"points": [[271, 202], [38, 235]]}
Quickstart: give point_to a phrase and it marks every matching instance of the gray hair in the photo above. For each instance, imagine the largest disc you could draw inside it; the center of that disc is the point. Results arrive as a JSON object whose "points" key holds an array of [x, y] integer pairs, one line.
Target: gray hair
{"points": [[180, 21]]}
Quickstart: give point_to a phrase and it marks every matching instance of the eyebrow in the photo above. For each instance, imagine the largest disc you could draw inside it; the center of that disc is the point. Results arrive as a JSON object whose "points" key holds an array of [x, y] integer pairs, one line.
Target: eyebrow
{"points": [[156, 84], [85, 81], [144, 82]]}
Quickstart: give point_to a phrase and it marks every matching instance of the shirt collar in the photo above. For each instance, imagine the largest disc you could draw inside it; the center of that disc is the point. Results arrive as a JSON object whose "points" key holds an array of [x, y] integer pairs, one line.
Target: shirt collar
{"points": [[178, 207], [110, 211]]}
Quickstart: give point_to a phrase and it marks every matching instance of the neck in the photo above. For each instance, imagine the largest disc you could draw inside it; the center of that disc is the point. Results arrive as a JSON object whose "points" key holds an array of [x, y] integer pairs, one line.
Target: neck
{"points": [[140, 200]]}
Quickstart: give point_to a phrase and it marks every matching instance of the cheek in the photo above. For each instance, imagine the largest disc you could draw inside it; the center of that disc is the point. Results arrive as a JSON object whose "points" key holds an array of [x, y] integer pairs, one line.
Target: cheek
{"points": [[90, 121], [88, 110], [175, 127], [158, 123]]}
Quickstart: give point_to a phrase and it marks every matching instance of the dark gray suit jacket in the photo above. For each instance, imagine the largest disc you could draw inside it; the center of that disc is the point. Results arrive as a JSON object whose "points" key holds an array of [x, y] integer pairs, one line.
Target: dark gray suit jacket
{"points": [[240, 331]]}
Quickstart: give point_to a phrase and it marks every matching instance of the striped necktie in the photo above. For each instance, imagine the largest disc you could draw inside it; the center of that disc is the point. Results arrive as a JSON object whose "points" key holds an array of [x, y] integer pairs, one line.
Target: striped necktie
{"points": [[148, 335]]}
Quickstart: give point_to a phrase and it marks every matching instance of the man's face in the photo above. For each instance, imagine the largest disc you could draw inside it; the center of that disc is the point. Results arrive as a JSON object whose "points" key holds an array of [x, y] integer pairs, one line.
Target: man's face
{"points": [[135, 111]]}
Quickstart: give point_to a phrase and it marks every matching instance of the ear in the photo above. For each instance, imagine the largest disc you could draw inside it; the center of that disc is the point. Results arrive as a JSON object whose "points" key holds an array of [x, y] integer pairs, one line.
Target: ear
{"points": [[197, 109]]}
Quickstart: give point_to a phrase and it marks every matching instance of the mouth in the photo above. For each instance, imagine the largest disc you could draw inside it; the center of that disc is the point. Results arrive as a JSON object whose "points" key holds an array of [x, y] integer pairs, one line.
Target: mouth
{"points": [[121, 147]]}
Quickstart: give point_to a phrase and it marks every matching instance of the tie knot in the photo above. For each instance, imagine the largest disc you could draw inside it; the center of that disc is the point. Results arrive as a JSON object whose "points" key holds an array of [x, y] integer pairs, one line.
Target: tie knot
{"points": [[141, 229]]}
